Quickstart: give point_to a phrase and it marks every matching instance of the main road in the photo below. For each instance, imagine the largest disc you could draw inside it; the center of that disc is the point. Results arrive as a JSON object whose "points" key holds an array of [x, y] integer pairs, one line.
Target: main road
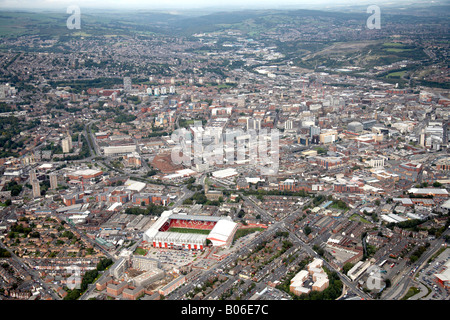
{"points": [[399, 290], [281, 225], [33, 273]]}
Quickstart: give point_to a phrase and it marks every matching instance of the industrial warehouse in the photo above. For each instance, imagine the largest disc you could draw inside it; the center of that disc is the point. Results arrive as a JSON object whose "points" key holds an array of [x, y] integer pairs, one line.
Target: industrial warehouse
{"points": [[221, 231]]}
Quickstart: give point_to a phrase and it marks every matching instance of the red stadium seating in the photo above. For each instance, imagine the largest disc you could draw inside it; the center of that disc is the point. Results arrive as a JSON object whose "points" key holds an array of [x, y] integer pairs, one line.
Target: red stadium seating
{"points": [[189, 224]]}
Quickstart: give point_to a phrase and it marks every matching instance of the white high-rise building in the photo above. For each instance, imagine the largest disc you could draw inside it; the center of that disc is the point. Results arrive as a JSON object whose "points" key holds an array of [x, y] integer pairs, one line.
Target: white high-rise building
{"points": [[377, 163], [253, 124], [66, 144], [422, 138], [53, 181], [313, 130], [288, 125], [33, 175], [3, 91], [127, 84], [36, 188]]}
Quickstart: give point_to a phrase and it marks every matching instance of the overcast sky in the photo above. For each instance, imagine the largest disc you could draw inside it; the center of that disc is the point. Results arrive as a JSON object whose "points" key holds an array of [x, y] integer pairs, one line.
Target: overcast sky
{"points": [[186, 4]]}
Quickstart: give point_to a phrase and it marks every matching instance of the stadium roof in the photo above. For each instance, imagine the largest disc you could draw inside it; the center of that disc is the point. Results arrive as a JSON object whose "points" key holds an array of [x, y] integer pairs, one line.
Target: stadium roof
{"points": [[154, 228], [195, 217], [222, 232], [180, 237]]}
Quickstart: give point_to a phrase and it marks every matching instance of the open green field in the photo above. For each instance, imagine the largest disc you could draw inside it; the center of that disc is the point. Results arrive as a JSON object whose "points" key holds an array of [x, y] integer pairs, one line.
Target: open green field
{"points": [[357, 217], [396, 50], [362, 54], [397, 74], [140, 251], [393, 44]]}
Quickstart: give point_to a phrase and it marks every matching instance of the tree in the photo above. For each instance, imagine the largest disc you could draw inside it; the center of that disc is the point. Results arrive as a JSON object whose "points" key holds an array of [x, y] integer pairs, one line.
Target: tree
{"points": [[14, 187], [4, 253], [199, 197], [72, 294], [152, 209], [191, 180], [35, 234], [67, 234], [437, 184], [347, 267], [103, 264], [307, 230], [319, 250]]}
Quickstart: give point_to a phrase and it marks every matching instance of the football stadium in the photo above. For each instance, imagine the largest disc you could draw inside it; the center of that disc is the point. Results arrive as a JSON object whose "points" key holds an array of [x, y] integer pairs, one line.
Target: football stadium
{"points": [[183, 231]]}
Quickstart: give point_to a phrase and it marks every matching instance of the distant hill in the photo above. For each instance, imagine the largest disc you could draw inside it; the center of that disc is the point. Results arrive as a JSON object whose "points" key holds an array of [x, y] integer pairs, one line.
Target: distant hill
{"points": [[97, 23]]}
